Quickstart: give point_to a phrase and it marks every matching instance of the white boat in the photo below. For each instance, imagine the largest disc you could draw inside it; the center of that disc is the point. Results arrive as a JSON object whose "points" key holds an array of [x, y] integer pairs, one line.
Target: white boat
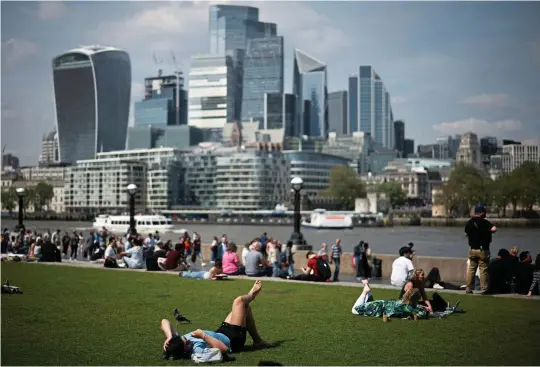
{"points": [[321, 219], [144, 223]]}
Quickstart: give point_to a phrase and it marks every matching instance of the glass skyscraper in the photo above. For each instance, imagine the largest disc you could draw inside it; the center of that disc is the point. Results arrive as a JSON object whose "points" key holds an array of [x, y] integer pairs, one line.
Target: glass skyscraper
{"points": [[279, 112], [231, 27], [310, 83], [263, 73], [337, 112], [92, 88], [370, 109], [160, 105]]}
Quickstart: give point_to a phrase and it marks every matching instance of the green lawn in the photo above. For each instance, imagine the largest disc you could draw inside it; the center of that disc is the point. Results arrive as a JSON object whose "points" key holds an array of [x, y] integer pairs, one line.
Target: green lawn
{"points": [[78, 316]]}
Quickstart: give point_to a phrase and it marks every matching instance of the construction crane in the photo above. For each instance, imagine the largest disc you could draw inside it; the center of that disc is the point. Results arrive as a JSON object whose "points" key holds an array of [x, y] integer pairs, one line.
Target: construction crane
{"points": [[160, 71], [177, 72]]}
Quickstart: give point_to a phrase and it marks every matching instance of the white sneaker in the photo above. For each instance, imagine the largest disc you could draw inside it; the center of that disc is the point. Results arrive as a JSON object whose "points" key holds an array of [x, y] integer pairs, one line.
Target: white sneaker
{"points": [[437, 286]]}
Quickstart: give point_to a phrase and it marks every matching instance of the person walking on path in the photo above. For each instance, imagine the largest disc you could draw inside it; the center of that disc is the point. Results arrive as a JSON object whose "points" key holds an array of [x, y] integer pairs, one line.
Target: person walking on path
{"points": [[479, 233], [336, 258]]}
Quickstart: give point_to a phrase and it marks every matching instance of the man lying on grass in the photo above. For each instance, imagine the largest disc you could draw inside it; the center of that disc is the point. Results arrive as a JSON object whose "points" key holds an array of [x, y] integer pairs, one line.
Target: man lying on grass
{"points": [[229, 337]]}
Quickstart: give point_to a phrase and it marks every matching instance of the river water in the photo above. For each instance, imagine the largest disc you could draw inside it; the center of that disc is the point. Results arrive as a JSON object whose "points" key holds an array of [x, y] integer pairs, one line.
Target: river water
{"points": [[428, 241]]}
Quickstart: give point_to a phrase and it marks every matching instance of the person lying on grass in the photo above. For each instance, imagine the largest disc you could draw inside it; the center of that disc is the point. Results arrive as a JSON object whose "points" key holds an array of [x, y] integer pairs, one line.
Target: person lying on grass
{"points": [[229, 337], [211, 274], [406, 308]]}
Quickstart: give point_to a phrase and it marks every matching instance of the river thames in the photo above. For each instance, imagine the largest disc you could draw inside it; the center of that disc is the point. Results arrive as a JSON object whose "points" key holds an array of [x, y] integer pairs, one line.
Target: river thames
{"points": [[428, 241]]}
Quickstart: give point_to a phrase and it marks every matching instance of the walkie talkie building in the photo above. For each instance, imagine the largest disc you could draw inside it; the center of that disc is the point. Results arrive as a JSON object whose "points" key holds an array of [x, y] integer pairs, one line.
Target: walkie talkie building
{"points": [[92, 90]]}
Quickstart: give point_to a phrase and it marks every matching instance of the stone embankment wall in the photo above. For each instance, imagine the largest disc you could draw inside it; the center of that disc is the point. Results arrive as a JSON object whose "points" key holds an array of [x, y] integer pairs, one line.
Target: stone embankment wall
{"points": [[452, 269]]}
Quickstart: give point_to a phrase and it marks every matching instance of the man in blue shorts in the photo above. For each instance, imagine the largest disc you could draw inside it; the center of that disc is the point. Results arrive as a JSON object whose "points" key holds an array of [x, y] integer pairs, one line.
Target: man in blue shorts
{"points": [[229, 337]]}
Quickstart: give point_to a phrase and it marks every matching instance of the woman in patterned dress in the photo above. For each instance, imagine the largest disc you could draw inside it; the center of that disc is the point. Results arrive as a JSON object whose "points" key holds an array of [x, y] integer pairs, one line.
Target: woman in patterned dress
{"points": [[404, 308]]}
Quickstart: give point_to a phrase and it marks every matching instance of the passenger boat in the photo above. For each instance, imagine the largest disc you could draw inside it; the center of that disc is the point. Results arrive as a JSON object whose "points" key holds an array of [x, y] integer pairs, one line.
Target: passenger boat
{"points": [[143, 222], [321, 219]]}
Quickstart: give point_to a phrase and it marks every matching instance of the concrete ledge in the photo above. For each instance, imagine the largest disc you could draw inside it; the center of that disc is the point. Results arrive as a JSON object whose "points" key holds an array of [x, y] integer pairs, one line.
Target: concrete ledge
{"points": [[375, 284]]}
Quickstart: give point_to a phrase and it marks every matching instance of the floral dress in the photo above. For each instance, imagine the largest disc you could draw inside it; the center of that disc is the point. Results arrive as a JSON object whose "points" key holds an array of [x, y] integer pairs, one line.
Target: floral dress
{"points": [[390, 308]]}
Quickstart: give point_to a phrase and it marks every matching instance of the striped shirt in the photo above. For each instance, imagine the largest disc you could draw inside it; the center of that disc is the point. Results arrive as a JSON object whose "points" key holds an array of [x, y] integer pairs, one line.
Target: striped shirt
{"points": [[336, 251], [535, 282]]}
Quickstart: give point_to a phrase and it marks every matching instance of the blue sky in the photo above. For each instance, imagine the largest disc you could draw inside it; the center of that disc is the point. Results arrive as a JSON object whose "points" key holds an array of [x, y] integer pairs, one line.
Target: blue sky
{"points": [[450, 67]]}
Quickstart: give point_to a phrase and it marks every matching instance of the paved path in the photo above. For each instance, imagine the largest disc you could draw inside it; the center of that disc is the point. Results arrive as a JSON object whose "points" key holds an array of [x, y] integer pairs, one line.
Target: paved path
{"points": [[374, 283]]}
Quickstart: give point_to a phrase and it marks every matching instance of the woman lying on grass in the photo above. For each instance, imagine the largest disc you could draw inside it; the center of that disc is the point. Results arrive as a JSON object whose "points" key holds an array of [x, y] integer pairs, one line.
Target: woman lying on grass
{"points": [[406, 308], [211, 274]]}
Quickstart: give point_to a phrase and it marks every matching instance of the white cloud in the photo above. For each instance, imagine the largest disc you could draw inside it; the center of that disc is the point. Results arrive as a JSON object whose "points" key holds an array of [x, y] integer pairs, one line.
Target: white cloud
{"points": [[397, 100], [488, 100], [161, 26], [16, 50], [137, 93], [51, 10], [478, 126]]}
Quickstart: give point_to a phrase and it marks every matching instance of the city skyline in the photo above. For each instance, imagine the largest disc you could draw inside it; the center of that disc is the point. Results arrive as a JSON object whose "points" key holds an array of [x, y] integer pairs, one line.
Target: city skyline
{"points": [[473, 70]]}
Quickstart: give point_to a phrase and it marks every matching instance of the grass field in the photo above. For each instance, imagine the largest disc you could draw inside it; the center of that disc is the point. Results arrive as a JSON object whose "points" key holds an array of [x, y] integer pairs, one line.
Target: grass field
{"points": [[79, 316]]}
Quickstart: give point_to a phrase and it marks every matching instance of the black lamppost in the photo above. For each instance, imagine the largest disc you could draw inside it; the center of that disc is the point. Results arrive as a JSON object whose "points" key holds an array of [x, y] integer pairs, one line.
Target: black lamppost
{"points": [[296, 237], [132, 190], [20, 194]]}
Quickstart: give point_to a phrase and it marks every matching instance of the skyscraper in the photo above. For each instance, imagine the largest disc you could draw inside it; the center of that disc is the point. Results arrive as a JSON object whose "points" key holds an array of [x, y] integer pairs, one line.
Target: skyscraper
{"points": [[310, 83], [231, 27], [399, 136], [212, 87], [373, 111], [337, 112], [92, 88], [409, 148], [164, 101], [279, 112], [263, 73]]}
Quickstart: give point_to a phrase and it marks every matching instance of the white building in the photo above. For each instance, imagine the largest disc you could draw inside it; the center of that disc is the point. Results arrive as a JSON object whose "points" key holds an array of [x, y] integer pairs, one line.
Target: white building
{"points": [[49, 149], [54, 173], [469, 151], [165, 175], [100, 185], [515, 155], [212, 88], [57, 203], [252, 180]]}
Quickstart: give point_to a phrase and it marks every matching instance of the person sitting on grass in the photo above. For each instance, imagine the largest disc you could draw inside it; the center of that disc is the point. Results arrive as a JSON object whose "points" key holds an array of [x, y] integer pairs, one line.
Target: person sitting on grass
{"points": [[174, 260], [211, 274], [229, 337], [231, 262], [406, 308], [134, 258], [310, 272], [256, 265], [417, 281]]}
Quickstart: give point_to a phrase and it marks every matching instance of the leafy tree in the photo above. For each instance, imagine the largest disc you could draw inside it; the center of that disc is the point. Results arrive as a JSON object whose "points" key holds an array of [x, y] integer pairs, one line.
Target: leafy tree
{"points": [[43, 195], [394, 193], [527, 180], [9, 199], [346, 186], [29, 198]]}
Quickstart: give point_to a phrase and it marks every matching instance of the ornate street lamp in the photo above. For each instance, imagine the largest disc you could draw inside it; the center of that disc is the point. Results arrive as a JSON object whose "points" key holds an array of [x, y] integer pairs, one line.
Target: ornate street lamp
{"points": [[296, 237], [20, 193], [132, 190]]}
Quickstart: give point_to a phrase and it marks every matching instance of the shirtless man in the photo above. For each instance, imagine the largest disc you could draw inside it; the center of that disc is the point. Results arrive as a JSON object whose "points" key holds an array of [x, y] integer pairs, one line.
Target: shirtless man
{"points": [[229, 337]]}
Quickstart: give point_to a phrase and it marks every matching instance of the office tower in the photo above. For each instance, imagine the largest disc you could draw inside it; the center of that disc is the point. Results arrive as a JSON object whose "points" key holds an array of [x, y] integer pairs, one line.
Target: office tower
{"points": [[371, 112], [352, 108], [92, 88], [263, 73], [399, 136], [517, 154], [162, 104], [212, 86], [337, 112], [469, 150], [279, 112], [408, 148], [310, 83], [231, 26], [49, 149]]}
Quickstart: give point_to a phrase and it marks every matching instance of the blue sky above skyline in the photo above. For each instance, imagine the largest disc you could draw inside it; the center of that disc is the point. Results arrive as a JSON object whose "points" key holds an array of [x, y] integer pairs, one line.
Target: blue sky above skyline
{"points": [[450, 67]]}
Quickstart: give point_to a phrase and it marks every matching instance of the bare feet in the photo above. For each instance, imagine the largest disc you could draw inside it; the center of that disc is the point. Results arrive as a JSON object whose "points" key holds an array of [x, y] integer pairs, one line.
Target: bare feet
{"points": [[367, 289], [255, 289], [385, 318], [365, 281]]}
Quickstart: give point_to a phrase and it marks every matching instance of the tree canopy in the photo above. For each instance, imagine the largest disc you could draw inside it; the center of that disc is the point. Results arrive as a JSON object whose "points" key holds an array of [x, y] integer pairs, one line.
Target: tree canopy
{"points": [[467, 187], [345, 186]]}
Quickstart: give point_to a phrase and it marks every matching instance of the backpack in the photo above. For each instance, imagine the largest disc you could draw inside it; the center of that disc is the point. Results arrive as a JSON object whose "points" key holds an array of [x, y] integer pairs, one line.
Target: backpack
{"points": [[323, 268]]}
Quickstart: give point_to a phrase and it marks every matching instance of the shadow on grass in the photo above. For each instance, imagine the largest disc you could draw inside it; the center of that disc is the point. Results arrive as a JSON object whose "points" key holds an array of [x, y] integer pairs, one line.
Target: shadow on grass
{"points": [[277, 343]]}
